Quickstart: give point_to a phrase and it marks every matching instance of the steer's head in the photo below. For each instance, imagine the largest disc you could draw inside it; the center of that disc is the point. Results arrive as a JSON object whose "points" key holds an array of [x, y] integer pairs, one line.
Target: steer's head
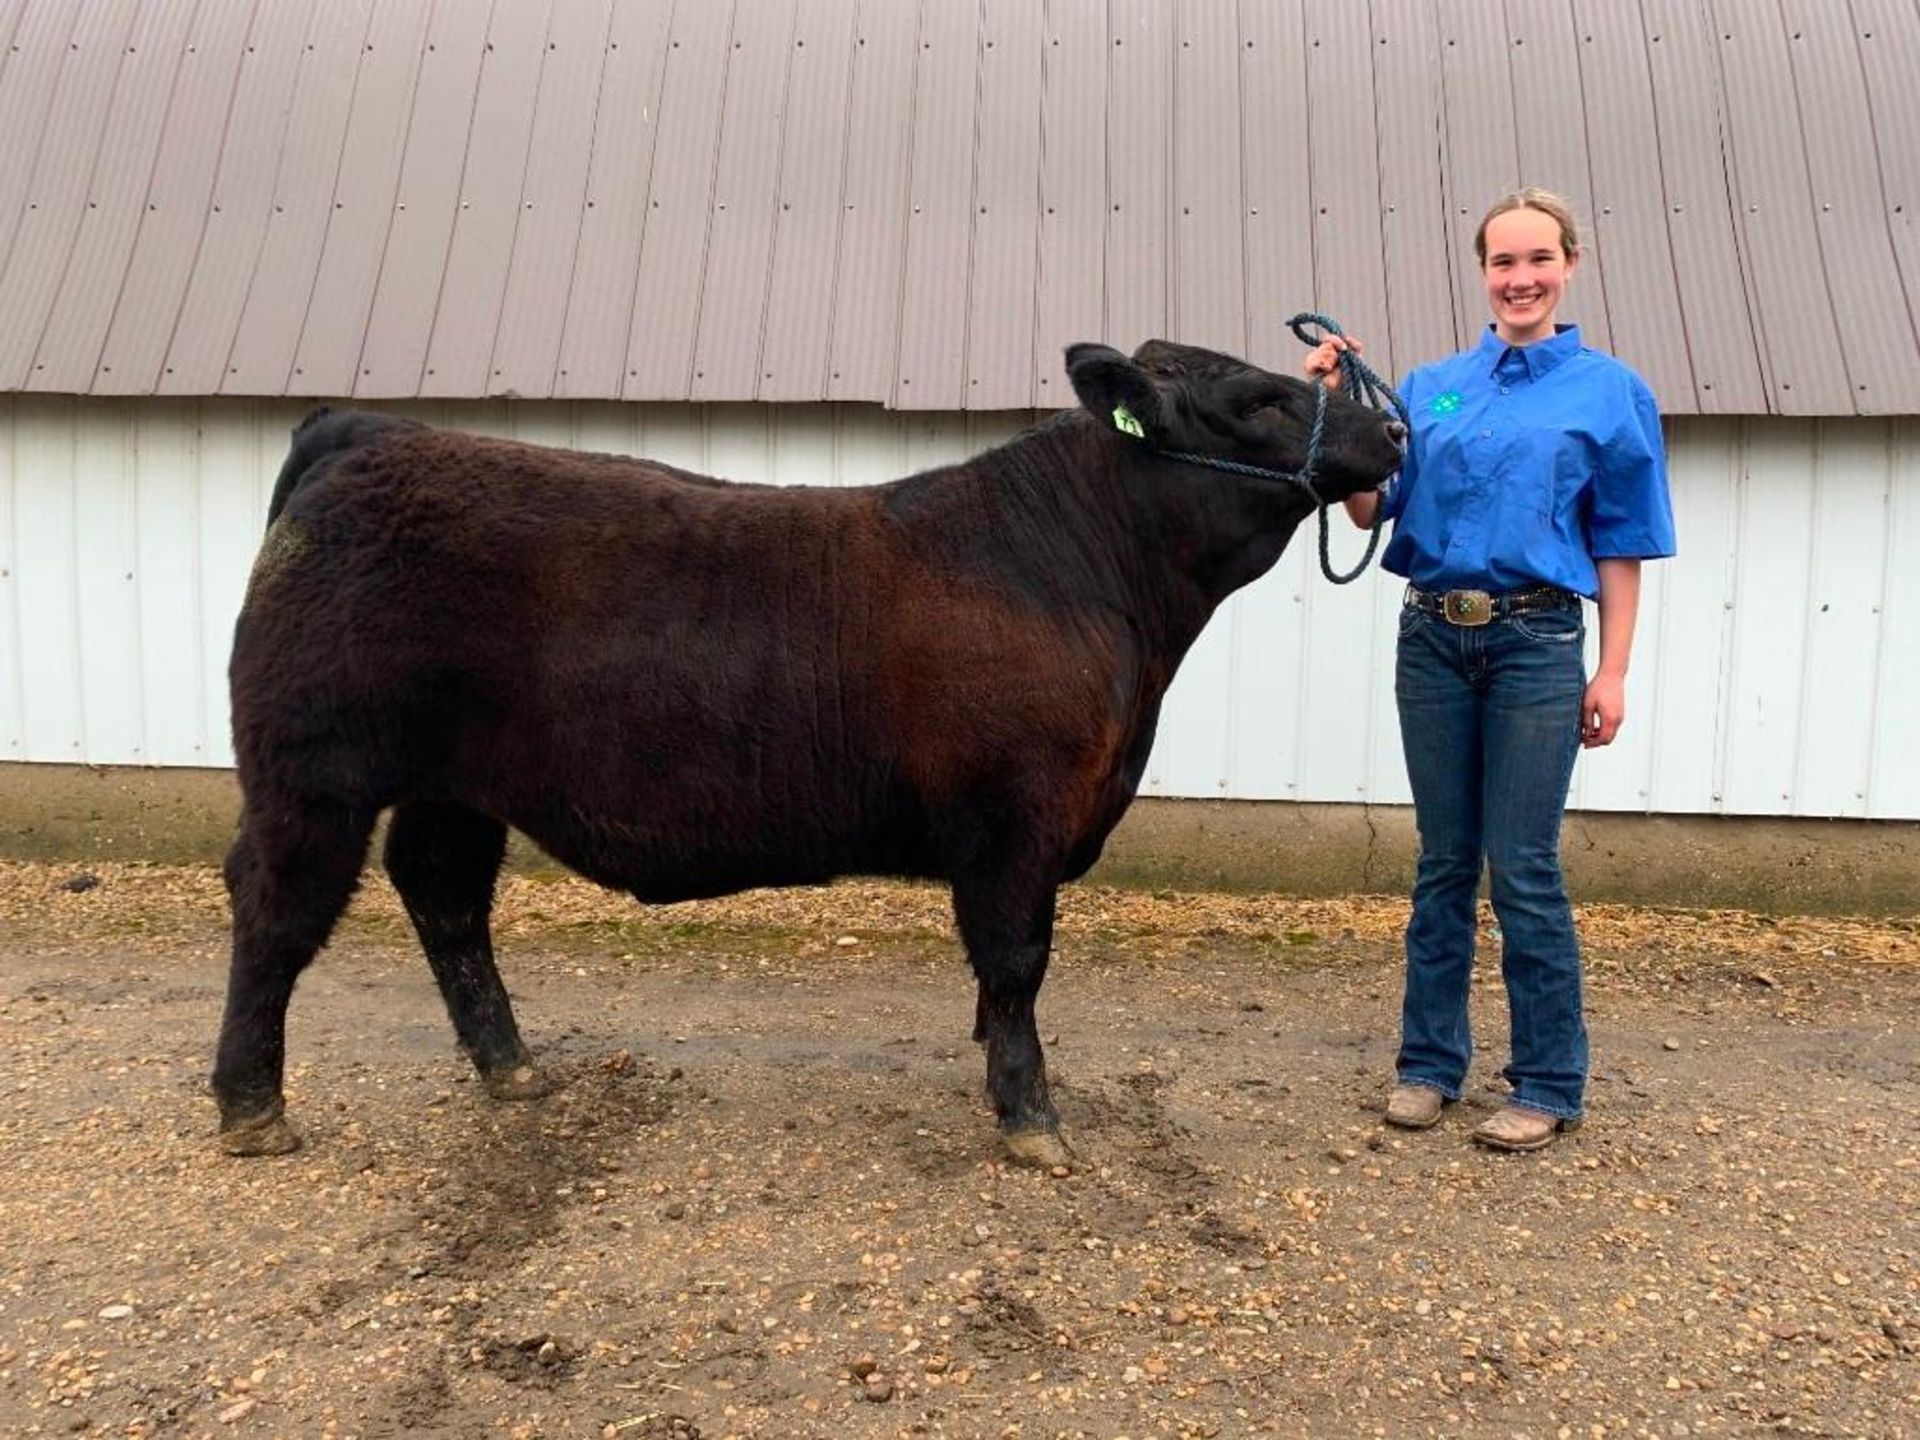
{"points": [[1182, 398]]}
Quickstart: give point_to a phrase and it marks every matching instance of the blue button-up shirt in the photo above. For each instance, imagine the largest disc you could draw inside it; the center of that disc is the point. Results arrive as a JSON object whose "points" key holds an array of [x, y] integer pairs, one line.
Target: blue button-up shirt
{"points": [[1526, 465]]}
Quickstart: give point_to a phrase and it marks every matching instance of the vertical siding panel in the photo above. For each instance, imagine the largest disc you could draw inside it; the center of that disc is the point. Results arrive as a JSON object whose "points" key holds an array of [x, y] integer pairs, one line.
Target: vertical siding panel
{"points": [[393, 353], [46, 530], [493, 199], [1483, 157], [180, 203], [1139, 124], [1798, 325], [240, 450], [933, 309], [533, 311], [626, 143], [105, 554], [867, 296], [1551, 136], [1627, 210], [251, 134], [1263, 621], [13, 698], [1893, 780], [1347, 251], [335, 321], [932, 438], [1279, 183], [1770, 620], [813, 151], [1889, 50], [167, 584], [1413, 160], [673, 257], [1002, 299], [1850, 504], [95, 270], [1210, 298], [544, 425], [870, 445], [1681, 699], [803, 448], [1192, 751], [606, 427], [726, 362], [739, 442], [1721, 329], [259, 356], [10, 13], [83, 108], [676, 435], [28, 90], [1073, 187], [1850, 209]]}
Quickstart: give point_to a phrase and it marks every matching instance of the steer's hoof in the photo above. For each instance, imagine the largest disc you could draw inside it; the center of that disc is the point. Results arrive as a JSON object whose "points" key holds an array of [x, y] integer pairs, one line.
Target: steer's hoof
{"points": [[268, 1134], [1041, 1149], [520, 1082]]}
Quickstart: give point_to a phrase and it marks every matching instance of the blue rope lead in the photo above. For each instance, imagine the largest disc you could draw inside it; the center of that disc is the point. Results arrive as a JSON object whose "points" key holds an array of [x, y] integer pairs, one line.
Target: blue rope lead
{"points": [[1364, 385]]}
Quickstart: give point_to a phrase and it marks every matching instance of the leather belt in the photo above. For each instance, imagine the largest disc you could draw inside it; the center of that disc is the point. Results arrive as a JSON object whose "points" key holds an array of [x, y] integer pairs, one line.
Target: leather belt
{"points": [[1477, 607]]}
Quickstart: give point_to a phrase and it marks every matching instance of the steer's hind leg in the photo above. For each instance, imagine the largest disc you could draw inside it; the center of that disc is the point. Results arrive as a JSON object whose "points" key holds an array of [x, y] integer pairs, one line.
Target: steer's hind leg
{"points": [[1007, 926], [443, 859], [289, 875]]}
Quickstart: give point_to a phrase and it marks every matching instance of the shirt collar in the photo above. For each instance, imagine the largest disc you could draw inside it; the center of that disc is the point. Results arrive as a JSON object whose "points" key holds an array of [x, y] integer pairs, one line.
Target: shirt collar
{"points": [[1536, 359]]}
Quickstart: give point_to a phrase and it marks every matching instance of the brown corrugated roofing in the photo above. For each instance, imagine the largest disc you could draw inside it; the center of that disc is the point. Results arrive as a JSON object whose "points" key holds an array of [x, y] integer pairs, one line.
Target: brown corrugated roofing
{"points": [[920, 204]]}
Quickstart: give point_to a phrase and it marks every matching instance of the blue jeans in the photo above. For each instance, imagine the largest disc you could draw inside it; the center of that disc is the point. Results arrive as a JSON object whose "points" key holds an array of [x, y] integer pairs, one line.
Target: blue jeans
{"points": [[1490, 722]]}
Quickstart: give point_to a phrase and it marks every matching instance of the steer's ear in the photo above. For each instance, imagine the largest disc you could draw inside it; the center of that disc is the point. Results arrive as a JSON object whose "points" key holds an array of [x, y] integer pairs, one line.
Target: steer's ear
{"points": [[1115, 389]]}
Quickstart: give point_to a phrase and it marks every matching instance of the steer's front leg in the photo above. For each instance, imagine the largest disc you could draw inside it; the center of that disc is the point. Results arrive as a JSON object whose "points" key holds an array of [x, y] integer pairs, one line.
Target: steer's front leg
{"points": [[1008, 946]]}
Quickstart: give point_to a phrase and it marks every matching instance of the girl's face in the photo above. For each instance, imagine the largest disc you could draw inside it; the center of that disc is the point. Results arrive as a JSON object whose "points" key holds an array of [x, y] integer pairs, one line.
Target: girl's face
{"points": [[1526, 273]]}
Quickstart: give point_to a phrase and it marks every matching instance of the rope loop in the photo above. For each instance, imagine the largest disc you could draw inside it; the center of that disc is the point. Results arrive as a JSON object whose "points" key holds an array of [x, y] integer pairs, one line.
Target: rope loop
{"points": [[1364, 385]]}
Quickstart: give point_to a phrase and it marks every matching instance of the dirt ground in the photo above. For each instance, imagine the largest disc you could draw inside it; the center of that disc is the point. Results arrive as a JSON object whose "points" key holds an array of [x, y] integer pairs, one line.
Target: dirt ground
{"points": [[766, 1201]]}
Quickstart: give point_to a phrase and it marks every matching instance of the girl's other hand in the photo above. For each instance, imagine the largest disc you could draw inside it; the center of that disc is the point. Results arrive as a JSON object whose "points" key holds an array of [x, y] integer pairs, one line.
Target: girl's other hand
{"points": [[1323, 361]]}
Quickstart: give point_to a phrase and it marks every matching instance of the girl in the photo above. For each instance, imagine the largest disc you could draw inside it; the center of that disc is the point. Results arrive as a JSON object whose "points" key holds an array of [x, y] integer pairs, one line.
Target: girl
{"points": [[1535, 476]]}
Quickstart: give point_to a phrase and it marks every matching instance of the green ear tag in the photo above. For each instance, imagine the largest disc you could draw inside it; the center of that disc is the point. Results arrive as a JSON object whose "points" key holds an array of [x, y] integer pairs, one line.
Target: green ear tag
{"points": [[1124, 422]]}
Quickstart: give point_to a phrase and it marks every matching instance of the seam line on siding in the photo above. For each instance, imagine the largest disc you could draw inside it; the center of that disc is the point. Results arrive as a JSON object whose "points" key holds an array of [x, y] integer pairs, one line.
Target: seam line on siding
{"points": [[1819, 245], [823, 380], [519, 209], [92, 367], [785, 116], [459, 185], [1909, 285], [713, 185], [326, 227], [399, 181], [1666, 228], [645, 197], [100, 129], [213, 189]]}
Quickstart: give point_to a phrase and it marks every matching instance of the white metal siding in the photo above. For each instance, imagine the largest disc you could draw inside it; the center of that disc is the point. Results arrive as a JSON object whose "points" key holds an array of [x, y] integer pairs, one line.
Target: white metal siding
{"points": [[1776, 669]]}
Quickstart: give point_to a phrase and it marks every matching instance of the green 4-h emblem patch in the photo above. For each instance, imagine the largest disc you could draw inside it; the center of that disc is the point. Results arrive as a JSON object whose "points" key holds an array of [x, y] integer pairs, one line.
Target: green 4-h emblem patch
{"points": [[1445, 403]]}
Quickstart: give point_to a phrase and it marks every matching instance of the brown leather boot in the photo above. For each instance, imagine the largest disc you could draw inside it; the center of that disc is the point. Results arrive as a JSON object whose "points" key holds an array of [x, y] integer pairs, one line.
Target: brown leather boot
{"points": [[1414, 1107], [1515, 1127]]}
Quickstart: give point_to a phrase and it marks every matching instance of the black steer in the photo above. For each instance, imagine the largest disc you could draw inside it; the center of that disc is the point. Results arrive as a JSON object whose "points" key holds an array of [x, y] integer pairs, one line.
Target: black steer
{"points": [[681, 688]]}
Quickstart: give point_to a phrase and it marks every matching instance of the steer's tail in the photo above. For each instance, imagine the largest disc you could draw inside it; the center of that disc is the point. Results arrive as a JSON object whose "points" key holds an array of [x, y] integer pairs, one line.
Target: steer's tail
{"points": [[322, 438]]}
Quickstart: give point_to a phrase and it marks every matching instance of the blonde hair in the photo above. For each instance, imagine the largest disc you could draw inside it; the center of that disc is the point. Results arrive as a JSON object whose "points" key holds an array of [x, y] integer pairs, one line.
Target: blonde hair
{"points": [[1531, 197]]}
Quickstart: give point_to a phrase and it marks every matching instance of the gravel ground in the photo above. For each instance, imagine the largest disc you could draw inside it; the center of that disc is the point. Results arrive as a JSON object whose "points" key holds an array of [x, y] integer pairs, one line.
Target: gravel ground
{"points": [[766, 1201]]}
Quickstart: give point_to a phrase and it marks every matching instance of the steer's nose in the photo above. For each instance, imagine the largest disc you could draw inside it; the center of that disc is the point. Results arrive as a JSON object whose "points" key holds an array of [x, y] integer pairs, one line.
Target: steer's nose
{"points": [[1397, 433]]}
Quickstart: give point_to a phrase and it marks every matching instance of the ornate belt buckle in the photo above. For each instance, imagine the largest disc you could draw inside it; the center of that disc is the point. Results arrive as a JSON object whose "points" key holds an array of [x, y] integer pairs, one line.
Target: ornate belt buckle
{"points": [[1467, 607]]}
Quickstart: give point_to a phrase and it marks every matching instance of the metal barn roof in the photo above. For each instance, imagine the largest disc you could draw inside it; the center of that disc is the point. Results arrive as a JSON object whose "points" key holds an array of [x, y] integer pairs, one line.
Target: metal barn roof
{"points": [[920, 203]]}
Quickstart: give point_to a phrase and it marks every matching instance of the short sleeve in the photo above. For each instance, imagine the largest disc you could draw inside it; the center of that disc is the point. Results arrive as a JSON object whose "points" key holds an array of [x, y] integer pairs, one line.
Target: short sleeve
{"points": [[1631, 517], [1394, 496]]}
